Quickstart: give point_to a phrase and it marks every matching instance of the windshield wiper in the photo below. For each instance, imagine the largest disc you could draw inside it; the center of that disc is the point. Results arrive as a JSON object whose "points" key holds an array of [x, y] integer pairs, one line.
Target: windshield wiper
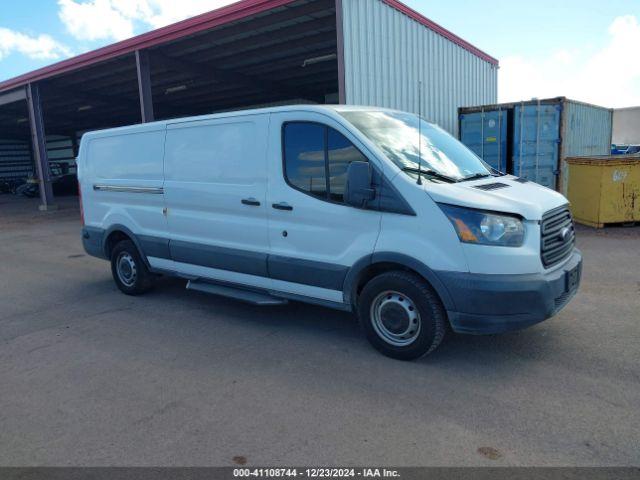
{"points": [[476, 176], [430, 172]]}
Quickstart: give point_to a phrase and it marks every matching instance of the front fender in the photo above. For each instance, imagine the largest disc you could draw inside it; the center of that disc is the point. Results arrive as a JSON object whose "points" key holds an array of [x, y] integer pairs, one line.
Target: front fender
{"points": [[355, 274]]}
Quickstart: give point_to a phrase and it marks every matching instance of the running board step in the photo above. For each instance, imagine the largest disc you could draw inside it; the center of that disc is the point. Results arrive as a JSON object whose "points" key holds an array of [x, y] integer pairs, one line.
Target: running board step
{"points": [[248, 296]]}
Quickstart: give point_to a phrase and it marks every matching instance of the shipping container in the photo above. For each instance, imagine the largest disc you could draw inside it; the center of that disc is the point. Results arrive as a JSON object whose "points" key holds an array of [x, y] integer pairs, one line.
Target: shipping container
{"points": [[486, 134], [532, 139]]}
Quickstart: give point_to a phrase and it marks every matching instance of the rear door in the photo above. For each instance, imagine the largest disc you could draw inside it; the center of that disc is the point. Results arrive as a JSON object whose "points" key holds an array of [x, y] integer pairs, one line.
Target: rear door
{"points": [[215, 189], [122, 182], [536, 143], [314, 236], [485, 133]]}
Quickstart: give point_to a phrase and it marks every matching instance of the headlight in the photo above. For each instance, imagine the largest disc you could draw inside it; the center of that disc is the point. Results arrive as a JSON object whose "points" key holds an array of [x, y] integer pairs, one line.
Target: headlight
{"points": [[485, 228]]}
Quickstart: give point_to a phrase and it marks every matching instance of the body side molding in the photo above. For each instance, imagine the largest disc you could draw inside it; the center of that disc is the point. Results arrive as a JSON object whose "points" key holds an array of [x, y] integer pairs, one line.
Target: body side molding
{"points": [[222, 258], [307, 272], [126, 189]]}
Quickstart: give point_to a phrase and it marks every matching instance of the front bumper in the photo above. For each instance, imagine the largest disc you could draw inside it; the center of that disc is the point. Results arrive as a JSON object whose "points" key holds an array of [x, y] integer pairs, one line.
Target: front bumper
{"points": [[488, 304]]}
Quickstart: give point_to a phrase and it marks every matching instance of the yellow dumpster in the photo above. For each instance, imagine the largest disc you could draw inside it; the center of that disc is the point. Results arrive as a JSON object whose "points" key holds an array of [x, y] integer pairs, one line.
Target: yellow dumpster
{"points": [[604, 190]]}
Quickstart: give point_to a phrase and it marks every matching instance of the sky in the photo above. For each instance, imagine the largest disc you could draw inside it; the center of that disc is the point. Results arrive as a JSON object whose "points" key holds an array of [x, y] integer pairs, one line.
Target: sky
{"points": [[587, 50]]}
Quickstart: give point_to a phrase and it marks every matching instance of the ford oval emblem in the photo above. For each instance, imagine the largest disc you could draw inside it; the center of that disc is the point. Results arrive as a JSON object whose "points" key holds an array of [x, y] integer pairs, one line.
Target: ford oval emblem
{"points": [[564, 234]]}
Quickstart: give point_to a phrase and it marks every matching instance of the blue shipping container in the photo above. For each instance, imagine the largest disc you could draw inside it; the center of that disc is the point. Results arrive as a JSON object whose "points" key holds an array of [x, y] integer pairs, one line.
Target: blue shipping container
{"points": [[536, 143], [533, 138], [485, 133]]}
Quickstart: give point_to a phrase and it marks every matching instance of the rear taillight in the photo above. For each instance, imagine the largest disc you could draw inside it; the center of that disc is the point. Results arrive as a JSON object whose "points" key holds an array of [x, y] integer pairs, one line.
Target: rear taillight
{"points": [[81, 208]]}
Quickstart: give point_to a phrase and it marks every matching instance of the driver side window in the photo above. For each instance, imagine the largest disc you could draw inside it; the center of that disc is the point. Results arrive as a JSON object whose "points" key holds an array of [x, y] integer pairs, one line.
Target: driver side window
{"points": [[316, 158]]}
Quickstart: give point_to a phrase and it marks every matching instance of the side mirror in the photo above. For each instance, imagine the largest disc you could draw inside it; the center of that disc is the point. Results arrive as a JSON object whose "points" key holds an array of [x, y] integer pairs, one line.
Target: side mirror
{"points": [[358, 191]]}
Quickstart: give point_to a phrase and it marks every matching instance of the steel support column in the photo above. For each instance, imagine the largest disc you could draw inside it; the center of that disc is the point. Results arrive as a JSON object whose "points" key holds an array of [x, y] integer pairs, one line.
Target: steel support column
{"points": [[144, 86], [342, 97], [39, 146]]}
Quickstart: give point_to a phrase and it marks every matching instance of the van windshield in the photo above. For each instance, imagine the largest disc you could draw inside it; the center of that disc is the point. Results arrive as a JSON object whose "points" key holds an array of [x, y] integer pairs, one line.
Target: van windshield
{"points": [[439, 155]]}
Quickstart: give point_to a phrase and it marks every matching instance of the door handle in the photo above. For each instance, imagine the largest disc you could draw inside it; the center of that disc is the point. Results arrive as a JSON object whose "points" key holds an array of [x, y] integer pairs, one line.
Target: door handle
{"points": [[282, 206], [251, 202]]}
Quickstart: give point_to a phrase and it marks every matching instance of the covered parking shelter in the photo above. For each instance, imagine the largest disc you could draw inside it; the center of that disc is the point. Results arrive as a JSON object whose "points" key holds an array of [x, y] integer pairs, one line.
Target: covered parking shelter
{"points": [[250, 53]]}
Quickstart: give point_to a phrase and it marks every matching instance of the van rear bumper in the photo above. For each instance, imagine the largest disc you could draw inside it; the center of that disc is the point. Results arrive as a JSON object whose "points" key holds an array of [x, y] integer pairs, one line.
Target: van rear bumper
{"points": [[93, 241], [488, 304]]}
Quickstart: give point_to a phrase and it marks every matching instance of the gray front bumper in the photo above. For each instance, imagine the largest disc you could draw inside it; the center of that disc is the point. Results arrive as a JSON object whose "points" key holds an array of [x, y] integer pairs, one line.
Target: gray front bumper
{"points": [[487, 304]]}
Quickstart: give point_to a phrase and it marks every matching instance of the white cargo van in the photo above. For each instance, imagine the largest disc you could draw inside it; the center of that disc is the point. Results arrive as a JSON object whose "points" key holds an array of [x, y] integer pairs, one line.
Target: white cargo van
{"points": [[355, 208]]}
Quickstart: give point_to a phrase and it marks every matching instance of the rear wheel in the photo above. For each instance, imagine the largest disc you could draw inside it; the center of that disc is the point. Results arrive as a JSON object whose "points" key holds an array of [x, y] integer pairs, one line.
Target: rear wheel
{"points": [[129, 271], [401, 315]]}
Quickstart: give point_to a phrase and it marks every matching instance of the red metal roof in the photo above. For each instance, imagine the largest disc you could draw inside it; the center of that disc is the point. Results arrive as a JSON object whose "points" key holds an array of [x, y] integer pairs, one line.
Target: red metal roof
{"points": [[205, 21]]}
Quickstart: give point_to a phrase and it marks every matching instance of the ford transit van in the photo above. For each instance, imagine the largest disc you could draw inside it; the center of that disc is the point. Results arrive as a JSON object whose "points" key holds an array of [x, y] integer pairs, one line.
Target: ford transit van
{"points": [[361, 209]]}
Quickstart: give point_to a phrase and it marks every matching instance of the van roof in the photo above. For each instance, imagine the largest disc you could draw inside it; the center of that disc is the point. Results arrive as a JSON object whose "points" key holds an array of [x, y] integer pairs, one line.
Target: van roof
{"points": [[332, 109]]}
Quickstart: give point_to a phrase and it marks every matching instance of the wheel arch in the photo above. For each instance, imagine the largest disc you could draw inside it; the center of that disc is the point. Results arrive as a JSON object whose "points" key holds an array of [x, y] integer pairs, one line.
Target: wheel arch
{"points": [[117, 233], [372, 265]]}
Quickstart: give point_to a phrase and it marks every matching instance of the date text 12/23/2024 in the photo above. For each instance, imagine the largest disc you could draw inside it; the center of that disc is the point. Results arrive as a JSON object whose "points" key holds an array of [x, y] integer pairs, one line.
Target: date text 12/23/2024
{"points": [[315, 473]]}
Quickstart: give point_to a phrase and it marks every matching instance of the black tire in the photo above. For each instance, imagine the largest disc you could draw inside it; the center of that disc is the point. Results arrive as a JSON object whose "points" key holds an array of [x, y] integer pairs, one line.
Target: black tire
{"points": [[402, 299], [141, 279]]}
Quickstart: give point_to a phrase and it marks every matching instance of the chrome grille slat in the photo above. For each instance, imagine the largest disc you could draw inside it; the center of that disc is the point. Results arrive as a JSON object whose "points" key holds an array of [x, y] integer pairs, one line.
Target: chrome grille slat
{"points": [[556, 223], [555, 257], [553, 248], [553, 242], [550, 251], [557, 226]]}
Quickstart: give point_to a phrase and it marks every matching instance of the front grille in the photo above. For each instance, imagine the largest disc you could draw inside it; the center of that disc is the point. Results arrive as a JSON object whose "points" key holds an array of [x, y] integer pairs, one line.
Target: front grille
{"points": [[557, 236]]}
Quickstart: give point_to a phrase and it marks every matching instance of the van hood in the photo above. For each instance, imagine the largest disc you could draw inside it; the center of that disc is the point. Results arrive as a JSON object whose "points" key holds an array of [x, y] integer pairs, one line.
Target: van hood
{"points": [[500, 194]]}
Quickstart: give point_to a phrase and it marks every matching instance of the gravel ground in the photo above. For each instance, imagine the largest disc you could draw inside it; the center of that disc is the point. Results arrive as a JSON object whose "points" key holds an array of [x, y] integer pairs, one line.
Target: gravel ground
{"points": [[89, 376]]}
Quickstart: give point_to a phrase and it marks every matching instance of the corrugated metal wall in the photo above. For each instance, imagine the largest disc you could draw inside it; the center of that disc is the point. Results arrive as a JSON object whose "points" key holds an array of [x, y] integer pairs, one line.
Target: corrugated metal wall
{"points": [[386, 53], [15, 160], [586, 131]]}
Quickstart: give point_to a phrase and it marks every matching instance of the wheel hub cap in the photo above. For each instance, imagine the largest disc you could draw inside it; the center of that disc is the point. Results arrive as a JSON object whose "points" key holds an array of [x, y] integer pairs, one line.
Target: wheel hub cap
{"points": [[395, 318], [126, 269]]}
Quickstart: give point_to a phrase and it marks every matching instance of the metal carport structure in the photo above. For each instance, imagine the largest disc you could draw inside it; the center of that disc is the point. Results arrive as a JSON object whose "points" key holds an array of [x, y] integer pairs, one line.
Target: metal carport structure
{"points": [[251, 53]]}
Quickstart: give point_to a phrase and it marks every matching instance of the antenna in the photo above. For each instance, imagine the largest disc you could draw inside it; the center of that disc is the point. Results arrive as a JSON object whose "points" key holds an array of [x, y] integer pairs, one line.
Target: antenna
{"points": [[419, 182]]}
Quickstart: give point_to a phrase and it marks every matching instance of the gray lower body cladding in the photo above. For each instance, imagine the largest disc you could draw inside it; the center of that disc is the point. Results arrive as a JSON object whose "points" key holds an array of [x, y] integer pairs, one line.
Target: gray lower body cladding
{"points": [[475, 303], [93, 241], [317, 274]]}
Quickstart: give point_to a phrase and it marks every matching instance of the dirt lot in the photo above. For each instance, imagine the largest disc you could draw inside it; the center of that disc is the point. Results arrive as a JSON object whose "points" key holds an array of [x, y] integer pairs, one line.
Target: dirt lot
{"points": [[89, 376]]}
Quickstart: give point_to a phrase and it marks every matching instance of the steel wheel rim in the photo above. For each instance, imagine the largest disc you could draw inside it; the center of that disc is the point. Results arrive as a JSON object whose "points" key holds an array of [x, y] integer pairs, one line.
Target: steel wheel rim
{"points": [[395, 318], [126, 269]]}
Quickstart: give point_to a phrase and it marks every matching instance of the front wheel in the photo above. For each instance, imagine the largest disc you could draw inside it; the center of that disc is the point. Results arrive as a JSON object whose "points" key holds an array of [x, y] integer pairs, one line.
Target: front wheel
{"points": [[128, 269], [401, 315]]}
